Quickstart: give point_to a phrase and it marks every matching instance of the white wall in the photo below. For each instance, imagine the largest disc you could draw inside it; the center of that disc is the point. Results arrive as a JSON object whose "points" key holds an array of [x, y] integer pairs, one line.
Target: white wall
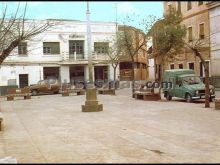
{"points": [[214, 14], [35, 60], [12, 72]]}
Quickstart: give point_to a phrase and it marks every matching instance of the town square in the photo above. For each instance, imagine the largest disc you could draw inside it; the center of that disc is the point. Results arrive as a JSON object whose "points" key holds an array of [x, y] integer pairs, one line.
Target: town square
{"points": [[130, 86]]}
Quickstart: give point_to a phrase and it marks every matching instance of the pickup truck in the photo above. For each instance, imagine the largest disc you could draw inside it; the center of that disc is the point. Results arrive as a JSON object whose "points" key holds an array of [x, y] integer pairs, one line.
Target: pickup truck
{"points": [[185, 84]]}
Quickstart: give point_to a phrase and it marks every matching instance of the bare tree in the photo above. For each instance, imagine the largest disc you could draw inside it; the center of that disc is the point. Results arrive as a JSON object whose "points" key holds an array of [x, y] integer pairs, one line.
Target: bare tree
{"points": [[16, 29], [132, 44], [114, 53], [197, 46], [134, 40]]}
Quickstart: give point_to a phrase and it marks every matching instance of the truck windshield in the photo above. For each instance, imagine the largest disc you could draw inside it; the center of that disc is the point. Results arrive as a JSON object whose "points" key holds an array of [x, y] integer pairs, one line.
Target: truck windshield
{"points": [[191, 80]]}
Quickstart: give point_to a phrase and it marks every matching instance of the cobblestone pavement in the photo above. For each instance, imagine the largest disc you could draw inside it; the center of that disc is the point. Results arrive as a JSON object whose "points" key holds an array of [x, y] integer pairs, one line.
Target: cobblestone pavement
{"points": [[53, 129]]}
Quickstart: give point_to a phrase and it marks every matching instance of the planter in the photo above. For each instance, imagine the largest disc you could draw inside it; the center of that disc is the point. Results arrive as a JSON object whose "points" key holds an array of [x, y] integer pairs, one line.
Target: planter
{"points": [[217, 103]]}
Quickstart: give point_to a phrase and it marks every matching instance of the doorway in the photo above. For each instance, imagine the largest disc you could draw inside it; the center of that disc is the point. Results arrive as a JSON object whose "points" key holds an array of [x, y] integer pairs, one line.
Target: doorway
{"points": [[23, 80], [76, 74], [101, 73], [51, 72]]}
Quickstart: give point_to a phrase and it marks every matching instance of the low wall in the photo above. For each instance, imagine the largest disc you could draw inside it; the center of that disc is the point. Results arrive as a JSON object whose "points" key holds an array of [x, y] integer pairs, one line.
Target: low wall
{"points": [[3, 89]]}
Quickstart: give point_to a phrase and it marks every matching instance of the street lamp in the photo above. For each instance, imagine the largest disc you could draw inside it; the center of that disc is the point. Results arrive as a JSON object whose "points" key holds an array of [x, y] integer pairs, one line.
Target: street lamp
{"points": [[91, 103]]}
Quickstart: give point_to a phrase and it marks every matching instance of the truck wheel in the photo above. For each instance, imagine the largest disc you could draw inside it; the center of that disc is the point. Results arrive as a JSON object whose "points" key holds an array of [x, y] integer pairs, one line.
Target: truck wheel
{"points": [[188, 98], [168, 97], [34, 92]]}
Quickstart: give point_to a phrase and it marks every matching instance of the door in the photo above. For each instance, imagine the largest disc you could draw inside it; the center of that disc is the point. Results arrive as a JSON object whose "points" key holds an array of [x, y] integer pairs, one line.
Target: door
{"points": [[23, 80], [179, 89]]}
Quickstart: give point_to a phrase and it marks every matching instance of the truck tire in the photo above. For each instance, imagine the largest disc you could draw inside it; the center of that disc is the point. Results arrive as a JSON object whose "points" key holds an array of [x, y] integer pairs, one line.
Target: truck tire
{"points": [[168, 97], [188, 98], [34, 92]]}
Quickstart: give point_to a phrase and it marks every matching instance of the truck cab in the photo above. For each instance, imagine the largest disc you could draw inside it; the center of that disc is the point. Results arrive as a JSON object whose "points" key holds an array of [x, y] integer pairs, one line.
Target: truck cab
{"points": [[185, 84]]}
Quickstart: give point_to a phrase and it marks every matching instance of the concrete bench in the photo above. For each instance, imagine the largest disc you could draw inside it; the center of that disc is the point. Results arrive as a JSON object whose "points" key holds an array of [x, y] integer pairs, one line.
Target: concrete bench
{"points": [[217, 103], [106, 91], [149, 96], [66, 92], [18, 92], [1, 119]]}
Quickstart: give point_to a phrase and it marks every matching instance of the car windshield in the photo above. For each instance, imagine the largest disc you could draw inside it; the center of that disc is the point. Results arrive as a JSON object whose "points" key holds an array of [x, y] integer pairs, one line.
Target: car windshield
{"points": [[190, 80]]}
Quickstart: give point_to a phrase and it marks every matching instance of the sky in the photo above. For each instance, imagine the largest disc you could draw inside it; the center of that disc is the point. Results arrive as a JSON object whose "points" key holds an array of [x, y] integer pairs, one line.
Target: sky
{"points": [[100, 10]]}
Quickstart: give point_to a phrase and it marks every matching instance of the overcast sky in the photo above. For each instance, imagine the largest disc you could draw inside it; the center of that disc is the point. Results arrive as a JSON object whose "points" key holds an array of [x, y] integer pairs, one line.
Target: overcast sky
{"points": [[100, 10]]}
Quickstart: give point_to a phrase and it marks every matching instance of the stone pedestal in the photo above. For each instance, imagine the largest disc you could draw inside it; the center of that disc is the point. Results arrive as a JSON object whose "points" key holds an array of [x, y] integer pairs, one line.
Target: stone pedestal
{"points": [[91, 103]]}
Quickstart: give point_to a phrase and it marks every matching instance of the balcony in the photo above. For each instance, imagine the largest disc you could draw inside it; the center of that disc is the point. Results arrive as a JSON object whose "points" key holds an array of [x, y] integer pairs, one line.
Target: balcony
{"points": [[66, 57]]}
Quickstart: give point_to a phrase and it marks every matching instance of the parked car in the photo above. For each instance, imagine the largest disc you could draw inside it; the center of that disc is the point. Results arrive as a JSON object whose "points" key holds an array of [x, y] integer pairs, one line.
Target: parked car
{"points": [[45, 86], [185, 84]]}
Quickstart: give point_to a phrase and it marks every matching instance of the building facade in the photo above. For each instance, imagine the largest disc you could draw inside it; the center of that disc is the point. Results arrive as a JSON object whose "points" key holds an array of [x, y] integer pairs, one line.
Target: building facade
{"points": [[214, 17], [60, 52], [141, 70], [196, 19]]}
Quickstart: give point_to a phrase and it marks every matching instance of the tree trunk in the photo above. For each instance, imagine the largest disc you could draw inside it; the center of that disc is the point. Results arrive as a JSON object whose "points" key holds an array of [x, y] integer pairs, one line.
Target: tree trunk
{"points": [[207, 92], [133, 78], [6, 52], [114, 74]]}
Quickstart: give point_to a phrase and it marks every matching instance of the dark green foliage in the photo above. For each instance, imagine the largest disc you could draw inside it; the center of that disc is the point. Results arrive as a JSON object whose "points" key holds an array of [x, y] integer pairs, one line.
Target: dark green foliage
{"points": [[168, 34]]}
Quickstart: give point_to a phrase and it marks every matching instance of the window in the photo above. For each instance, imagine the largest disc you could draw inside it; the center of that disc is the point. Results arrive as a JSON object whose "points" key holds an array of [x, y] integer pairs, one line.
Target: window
{"points": [[189, 5], [190, 34], [201, 31], [76, 46], [101, 47], [47, 50], [180, 66], [51, 48], [171, 66], [179, 6], [125, 65], [200, 3], [169, 7], [191, 65], [22, 48]]}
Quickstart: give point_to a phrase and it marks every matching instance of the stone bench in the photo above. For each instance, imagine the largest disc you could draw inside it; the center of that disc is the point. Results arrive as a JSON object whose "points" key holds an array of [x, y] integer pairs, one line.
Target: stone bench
{"points": [[217, 103], [1, 119], [66, 92], [106, 91], [148, 96], [18, 92]]}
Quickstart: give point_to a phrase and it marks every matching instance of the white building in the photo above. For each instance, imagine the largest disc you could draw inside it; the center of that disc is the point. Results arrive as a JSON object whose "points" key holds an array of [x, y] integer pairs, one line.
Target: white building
{"points": [[60, 52], [214, 17]]}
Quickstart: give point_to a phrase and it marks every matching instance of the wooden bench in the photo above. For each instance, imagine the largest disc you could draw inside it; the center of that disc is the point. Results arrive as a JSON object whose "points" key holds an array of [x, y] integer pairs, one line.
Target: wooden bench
{"points": [[1, 119], [217, 103], [106, 91], [18, 92], [149, 96], [67, 92]]}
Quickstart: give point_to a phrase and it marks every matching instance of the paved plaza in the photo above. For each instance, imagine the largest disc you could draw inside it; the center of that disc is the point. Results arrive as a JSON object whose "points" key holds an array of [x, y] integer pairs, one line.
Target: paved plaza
{"points": [[53, 129]]}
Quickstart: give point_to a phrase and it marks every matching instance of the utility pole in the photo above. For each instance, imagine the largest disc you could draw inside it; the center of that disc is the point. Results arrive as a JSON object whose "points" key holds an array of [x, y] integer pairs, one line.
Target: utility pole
{"points": [[116, 17], [91, 103], [89, 40]]}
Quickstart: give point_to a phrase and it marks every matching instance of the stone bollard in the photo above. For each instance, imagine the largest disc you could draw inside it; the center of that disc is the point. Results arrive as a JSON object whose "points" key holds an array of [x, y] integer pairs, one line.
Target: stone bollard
{"points": [[217, 103]]}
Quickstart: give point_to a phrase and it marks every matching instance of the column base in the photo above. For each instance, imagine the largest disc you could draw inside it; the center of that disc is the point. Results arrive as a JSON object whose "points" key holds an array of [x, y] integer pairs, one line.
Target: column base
{"points": [[91, 103], [92, 108]]}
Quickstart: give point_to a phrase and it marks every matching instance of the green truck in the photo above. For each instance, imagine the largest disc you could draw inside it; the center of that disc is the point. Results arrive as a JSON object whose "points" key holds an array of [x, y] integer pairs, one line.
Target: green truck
{"points": [[185, 84]]}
